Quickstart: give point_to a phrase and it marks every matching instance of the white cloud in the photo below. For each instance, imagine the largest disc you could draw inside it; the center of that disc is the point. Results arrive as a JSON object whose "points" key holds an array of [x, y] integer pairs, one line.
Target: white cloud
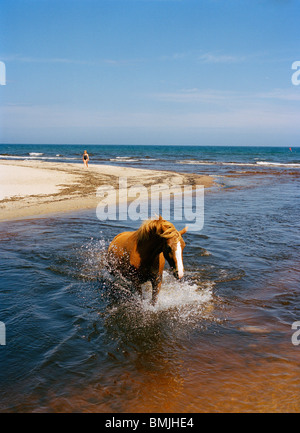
{"points": [[220, 58], [206, 57], [195, 95], [218, 96], [31, 59], [281, 94]]}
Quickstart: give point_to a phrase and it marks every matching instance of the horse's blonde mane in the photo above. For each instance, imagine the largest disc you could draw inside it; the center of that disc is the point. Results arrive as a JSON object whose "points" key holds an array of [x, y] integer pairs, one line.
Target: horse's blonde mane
{"points": [[162, 227]]}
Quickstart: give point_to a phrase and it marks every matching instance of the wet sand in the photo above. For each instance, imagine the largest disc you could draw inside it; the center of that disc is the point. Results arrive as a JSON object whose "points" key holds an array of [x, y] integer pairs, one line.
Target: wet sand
{"points": [[36, 188]]}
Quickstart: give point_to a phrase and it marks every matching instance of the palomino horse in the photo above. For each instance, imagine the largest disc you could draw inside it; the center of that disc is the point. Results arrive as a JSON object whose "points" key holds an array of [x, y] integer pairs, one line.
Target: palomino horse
{"points": [[140, 255]]}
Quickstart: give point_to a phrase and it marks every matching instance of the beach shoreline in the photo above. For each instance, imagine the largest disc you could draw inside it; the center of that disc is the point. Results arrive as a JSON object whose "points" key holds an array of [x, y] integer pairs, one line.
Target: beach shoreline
{"points": [[39, 188]]}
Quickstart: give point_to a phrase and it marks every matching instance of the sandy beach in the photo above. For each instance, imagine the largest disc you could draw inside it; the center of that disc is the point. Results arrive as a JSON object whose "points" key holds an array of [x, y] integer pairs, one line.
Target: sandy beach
{"points": [[36, 188]]}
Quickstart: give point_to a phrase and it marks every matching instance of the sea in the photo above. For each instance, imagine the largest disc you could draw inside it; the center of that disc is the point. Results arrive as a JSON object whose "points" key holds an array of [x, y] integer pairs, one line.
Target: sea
{"points": [[224, 339]]}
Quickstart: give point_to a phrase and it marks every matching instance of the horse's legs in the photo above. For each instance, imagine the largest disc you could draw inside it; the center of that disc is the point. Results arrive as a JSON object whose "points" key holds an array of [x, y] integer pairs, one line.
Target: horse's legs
{"points": [[155, 291], [156, 285]]}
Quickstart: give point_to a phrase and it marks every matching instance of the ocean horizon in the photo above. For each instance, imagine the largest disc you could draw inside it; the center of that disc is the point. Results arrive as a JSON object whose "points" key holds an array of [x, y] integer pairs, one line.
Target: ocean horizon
{"points": [[186, 158]]}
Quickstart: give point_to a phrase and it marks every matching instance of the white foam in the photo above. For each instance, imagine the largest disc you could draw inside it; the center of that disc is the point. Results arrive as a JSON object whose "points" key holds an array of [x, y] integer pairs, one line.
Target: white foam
{"points": [[278, 164], [123, 159], [242, 164], [194, 162], [178, 294], [12, 157], [39, 157]]}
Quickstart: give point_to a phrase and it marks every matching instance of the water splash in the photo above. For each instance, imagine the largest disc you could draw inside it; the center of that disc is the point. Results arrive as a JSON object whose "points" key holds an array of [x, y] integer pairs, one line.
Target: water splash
{"points": [[184, 301], [91, 259], [178, 294]]}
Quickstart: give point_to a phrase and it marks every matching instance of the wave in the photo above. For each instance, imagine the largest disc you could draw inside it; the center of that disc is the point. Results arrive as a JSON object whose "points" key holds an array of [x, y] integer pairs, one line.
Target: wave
{"points": [[194, 162], [58, 158], [123, 159], [278, 164], [131, 159], [26, 158], [11, 157], [242, 164]]}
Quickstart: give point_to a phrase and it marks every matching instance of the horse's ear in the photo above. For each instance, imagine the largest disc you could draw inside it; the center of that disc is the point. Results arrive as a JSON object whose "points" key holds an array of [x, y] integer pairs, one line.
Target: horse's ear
{"points": [[183, 231]]}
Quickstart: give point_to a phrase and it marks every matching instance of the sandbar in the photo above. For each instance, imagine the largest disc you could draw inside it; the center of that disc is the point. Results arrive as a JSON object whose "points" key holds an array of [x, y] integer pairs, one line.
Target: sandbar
{"points": [[38, 188]]}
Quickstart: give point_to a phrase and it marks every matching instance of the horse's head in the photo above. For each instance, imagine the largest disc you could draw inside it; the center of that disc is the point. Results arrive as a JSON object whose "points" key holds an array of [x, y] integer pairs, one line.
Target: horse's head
{"points": [[166, 239], [172, 251]]}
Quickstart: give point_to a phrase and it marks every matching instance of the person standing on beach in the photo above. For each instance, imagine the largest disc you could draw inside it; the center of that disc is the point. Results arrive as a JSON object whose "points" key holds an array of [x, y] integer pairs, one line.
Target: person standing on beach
{"points": [[86, 159]]}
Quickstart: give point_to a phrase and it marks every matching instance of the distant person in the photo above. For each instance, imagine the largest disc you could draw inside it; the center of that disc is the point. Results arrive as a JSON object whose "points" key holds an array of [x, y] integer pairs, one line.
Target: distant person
{"points": [[85, 159]]}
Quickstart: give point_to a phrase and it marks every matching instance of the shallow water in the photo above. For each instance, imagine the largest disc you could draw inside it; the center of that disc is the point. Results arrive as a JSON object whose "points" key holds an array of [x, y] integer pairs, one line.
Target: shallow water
{"points": [[218, 341]]}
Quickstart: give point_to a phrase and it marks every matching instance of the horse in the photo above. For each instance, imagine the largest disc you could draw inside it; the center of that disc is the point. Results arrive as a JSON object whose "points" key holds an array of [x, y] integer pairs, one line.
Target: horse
{"points": [[140, 255]]}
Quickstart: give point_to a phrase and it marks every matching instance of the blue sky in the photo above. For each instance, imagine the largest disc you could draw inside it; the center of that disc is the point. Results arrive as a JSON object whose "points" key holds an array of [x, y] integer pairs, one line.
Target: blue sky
{"points": [[207, 72]]}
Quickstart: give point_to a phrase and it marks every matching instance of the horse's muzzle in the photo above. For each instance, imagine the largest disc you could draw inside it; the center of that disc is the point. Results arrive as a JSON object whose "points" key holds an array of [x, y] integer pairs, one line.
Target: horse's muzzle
{"points": [[177, 275]]}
